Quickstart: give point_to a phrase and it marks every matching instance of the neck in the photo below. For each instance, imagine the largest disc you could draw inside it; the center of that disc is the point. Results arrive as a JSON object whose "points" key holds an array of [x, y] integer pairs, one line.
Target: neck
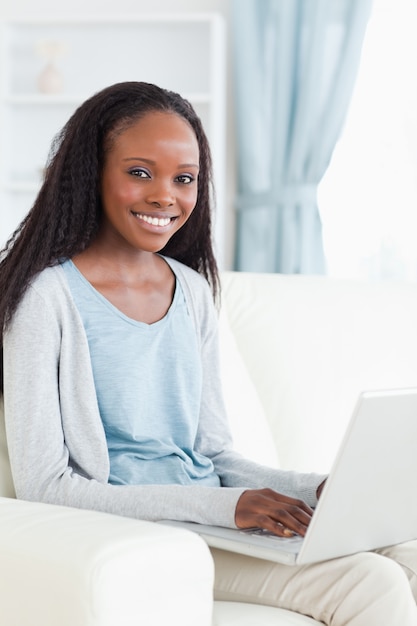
{"points": [[119, 265]]}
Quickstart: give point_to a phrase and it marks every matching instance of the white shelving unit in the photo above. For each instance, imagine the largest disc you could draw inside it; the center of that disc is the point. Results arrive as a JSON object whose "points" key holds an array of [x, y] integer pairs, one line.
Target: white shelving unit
{"points": [[185, 53]]}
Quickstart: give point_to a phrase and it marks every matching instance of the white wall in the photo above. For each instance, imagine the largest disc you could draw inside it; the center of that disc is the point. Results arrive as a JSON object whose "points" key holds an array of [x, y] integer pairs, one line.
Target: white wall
{"points": [[91, 8]]}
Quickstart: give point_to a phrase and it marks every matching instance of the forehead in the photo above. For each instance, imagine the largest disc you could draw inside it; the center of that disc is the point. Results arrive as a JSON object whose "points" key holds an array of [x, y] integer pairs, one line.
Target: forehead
{"points": [[154, 131]]}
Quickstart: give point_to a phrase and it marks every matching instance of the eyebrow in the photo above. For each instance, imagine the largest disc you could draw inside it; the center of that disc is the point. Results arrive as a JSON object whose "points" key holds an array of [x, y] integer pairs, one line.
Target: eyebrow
{"points": [[150, 162]]}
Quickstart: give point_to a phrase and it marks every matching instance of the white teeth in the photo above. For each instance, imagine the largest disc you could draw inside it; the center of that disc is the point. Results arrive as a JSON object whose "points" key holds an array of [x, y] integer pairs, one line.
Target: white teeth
{"points": [[154, 221]]}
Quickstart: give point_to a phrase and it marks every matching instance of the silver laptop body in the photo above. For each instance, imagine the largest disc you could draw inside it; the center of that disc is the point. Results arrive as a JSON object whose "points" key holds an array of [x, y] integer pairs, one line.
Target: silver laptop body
{"points": [[369, 500]]}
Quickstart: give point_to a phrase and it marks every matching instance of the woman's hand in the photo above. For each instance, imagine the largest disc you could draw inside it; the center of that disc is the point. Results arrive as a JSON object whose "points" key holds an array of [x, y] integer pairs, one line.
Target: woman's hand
{"points": [[268, 509]]}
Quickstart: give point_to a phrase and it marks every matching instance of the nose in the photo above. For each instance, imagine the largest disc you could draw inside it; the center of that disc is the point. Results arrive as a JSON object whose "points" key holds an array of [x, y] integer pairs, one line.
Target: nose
{"points": [[161, 194]]}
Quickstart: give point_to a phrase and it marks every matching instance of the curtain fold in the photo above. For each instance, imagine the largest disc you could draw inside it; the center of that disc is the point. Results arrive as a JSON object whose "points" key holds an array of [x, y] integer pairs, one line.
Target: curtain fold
{"points": [[295, 64]]}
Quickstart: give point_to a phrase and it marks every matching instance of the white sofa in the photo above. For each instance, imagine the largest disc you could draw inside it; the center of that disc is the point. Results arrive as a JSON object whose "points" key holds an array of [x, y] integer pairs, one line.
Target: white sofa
{"points": [[295, 353]]}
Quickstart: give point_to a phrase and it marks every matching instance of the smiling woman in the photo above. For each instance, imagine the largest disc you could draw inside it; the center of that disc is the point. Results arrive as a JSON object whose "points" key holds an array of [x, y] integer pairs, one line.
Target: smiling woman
{"points": [[107, 267], [105, 292]]}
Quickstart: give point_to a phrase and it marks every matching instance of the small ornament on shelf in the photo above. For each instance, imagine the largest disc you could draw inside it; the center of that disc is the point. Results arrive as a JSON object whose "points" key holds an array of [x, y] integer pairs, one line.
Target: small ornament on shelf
{"points": [[50, 79]]}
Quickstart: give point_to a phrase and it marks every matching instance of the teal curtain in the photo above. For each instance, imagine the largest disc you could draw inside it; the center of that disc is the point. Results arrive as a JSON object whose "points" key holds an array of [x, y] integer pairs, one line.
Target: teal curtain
{"points": [[295, 64]]}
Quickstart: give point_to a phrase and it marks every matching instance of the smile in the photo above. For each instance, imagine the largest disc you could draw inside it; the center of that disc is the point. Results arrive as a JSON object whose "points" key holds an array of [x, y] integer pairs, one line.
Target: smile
{"points": [[154, 221]]}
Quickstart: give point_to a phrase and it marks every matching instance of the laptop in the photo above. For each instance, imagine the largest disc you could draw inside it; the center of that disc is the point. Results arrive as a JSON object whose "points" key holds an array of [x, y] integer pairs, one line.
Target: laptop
{"points": [[369, 499]]}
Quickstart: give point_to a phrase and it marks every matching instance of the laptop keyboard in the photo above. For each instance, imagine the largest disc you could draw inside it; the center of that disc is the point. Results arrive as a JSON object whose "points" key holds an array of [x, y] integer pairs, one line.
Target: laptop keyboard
{"points": [[261, 532]]}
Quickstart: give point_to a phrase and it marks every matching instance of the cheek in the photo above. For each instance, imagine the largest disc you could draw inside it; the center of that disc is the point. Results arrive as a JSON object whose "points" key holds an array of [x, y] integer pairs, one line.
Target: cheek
{"points": [[127, 194], [190, 199], [116, 194]]}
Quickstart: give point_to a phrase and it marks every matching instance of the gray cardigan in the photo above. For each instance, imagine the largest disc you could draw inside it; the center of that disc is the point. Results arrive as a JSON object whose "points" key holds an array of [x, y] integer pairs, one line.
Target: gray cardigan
{"points": [[56, 440]]}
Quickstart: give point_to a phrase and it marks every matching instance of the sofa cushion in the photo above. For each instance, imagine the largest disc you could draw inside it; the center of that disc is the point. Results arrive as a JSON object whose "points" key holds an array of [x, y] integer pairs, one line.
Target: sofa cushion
{"points": [[242, 614], [251, 432]]}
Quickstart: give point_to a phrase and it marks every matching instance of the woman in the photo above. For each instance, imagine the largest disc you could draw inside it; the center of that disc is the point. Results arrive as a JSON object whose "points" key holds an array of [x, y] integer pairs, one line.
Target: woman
{"points": [[111, 387]]}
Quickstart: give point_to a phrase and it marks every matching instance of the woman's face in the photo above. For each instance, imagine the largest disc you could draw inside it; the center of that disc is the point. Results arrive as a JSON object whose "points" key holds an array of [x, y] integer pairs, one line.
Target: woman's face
{"points": [[149, 182]]}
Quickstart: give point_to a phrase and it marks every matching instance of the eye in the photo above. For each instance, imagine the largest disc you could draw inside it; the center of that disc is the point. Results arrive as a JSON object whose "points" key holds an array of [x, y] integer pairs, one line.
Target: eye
{"points": [[139, 172], [185, 179]]}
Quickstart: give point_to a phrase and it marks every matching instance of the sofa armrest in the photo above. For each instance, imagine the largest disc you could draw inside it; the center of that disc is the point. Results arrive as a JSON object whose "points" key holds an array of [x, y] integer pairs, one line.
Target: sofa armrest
{"points": [[65, 566]]}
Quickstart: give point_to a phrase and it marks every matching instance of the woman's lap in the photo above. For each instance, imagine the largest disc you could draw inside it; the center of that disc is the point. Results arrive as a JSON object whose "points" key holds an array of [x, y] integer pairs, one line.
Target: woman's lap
{"points": [[367, 589]]}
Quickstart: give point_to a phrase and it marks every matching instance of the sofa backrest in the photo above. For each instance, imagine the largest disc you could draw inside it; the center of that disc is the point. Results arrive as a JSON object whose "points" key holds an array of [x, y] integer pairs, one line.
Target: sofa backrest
{"points": [[311, 345], [252, 435]]}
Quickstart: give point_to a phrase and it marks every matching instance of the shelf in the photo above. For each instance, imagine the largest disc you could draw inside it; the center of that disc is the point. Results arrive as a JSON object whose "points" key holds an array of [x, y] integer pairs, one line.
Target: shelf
{"points": [[43, 100], [73, 99]]}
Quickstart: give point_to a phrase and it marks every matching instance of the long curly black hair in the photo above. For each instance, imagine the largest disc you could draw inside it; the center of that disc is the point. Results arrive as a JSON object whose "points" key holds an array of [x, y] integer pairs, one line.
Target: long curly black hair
{"points": [[66, 214]]}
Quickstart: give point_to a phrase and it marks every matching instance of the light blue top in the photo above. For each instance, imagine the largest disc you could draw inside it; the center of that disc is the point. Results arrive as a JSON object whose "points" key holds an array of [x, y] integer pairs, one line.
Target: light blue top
{"points": [[148, 382]]}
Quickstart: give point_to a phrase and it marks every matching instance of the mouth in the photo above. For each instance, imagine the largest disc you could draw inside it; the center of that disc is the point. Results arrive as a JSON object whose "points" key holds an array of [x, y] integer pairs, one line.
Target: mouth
{"points": [[154, 220]]}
